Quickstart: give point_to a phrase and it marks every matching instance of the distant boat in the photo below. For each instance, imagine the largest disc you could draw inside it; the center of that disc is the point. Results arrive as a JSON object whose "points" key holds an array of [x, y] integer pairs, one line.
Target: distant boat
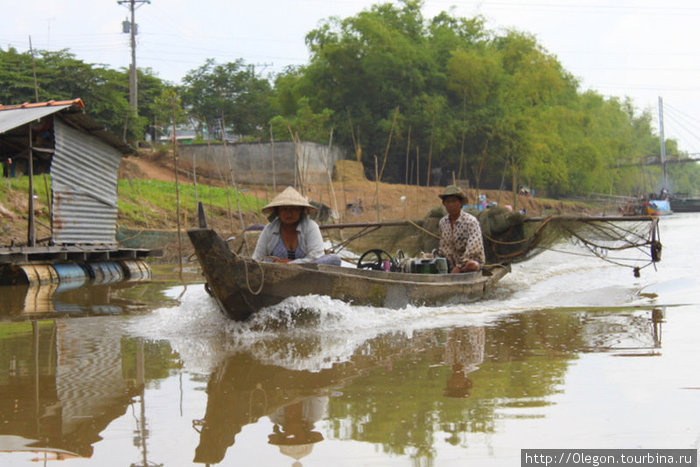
{"points": [[648, 206], [657, 207], [684, 204]]}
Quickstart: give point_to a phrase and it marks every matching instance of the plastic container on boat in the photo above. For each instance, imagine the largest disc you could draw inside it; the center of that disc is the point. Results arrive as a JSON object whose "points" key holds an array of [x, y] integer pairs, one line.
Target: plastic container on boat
{"points": [[429, 266]]}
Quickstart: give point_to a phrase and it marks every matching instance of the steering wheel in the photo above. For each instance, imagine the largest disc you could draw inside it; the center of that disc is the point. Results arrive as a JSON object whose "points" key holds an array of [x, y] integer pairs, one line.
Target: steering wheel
{"points": [[379, 257]]}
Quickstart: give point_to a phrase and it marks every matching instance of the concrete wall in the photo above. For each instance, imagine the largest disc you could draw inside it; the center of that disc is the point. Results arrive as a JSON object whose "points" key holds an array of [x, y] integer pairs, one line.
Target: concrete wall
{"points": [[253, 162]]}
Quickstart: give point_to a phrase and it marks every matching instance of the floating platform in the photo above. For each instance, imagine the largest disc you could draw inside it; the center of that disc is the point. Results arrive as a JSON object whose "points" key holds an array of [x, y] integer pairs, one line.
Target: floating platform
{"points": [[57, 264], [57, 254]]}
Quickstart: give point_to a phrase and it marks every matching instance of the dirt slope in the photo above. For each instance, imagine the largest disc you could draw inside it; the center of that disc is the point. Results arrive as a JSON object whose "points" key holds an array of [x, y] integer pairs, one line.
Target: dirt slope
{"points": [[368, 200]]}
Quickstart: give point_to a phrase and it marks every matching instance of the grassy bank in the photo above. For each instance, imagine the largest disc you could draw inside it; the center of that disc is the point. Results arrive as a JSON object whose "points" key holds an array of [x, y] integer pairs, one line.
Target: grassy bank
{"points": [[150, 204], [153, 203], [142, 205]]}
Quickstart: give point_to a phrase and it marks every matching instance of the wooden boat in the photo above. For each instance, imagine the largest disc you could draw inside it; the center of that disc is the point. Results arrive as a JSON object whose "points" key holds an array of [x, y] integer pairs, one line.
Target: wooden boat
{"points": [[657, 207], [242, 286]]}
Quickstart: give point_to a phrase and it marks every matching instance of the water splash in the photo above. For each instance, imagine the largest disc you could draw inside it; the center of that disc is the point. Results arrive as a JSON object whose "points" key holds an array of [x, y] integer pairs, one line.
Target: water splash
{"points": [[315, 332]]}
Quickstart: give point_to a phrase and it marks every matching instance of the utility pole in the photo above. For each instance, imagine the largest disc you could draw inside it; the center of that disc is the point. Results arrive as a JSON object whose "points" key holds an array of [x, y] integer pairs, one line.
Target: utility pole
{"points": [[662, 141], [131, 28]]}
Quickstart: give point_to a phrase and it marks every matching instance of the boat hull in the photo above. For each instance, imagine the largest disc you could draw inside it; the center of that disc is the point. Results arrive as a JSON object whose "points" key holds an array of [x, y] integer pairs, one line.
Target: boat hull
{"points": [[242, 286], [657, 207]]}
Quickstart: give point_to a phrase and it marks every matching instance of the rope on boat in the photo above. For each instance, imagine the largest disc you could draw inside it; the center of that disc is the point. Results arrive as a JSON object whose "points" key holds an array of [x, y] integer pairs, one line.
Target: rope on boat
{"points": [[247, 278], [423, 229], [340, 246]]}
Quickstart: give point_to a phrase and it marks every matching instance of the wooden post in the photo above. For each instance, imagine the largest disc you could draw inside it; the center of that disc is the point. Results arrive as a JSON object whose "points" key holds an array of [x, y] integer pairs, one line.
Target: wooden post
{"points": [[345, 199], [272, 157], [514, 173], [417, 166], [194, 178], [177, 196], [48, 203], [31, 234], [430, 155], [376, 184]]}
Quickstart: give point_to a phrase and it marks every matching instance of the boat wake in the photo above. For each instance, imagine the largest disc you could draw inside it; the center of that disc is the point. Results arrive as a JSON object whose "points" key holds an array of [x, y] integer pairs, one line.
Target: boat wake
{"points": [[314, 332]]}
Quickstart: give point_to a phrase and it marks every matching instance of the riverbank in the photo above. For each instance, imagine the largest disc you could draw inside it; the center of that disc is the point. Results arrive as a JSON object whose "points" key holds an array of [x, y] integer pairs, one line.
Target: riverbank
{"points": [[354, 198]]}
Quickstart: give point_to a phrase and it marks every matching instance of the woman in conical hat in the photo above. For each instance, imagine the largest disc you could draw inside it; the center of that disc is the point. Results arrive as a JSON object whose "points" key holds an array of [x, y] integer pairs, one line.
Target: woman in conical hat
{"points": [[291, 237]]}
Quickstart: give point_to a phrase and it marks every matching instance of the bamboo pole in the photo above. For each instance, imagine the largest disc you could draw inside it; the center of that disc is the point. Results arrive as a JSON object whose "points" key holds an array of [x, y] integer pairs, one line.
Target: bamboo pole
{"points": [[388, 143], [355, 225], [430, 155], [36, 85], [272, 158], [177, 196], [417, 166], [296, 161], [194, 178], [376, 185], [235, 193], [408, 150], [514, 175], [345, 198], [334, 204], [225, 179], [464, 135], [146, 217], [355, 139]]}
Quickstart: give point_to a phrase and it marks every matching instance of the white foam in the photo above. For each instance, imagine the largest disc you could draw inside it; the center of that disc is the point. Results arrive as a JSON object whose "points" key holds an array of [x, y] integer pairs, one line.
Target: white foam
{"points": [[314, 332]]}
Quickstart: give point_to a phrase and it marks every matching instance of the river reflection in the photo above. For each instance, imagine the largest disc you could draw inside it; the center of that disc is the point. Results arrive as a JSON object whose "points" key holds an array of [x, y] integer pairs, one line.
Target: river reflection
{"points": [[564, 354], [82, 297], [64, 381]]}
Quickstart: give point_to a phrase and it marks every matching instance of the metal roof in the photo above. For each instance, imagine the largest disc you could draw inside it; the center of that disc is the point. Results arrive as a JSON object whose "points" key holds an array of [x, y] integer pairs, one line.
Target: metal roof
{"points": [[13, 116], [10, 119]]}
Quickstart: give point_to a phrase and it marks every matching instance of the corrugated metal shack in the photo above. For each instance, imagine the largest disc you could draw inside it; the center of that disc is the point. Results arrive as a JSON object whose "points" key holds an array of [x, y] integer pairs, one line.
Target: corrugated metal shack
{"points": [[83, 158]]}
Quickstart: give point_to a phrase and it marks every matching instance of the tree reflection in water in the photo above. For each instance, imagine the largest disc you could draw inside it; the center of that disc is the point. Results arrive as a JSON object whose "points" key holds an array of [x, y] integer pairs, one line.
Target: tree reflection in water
{"points": [[64, 381], [400, 392]]}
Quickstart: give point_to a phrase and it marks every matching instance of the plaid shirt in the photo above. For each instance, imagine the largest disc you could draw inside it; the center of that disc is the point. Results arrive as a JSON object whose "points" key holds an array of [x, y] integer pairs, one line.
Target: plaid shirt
{"points": [[461, 242]]}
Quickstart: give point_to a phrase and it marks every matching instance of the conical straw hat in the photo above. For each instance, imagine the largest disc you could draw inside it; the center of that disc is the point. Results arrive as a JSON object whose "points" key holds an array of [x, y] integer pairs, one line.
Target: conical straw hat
{"points": [[289, 197]]}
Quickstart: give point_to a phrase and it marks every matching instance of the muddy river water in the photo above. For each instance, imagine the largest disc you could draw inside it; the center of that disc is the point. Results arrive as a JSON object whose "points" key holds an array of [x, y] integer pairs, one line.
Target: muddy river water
{"points": [[567, 352]]}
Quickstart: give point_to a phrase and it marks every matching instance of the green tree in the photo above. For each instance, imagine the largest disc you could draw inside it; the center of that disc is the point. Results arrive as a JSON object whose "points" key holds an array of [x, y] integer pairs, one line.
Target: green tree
{"points": [[305, 125], [230, 93], [61, 76]]}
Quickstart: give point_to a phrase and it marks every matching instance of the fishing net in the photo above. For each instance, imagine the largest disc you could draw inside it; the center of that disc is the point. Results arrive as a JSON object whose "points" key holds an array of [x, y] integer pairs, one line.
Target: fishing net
{"points": [[511, 237], [626, 241]]}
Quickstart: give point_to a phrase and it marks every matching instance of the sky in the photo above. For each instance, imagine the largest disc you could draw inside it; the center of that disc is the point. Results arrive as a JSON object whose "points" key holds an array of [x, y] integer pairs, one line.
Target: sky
{"points": [[641, 49]]}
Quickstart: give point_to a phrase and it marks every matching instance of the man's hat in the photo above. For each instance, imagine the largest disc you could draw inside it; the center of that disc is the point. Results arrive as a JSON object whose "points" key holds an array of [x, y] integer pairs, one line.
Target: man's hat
{"points": [[453, 190]]}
